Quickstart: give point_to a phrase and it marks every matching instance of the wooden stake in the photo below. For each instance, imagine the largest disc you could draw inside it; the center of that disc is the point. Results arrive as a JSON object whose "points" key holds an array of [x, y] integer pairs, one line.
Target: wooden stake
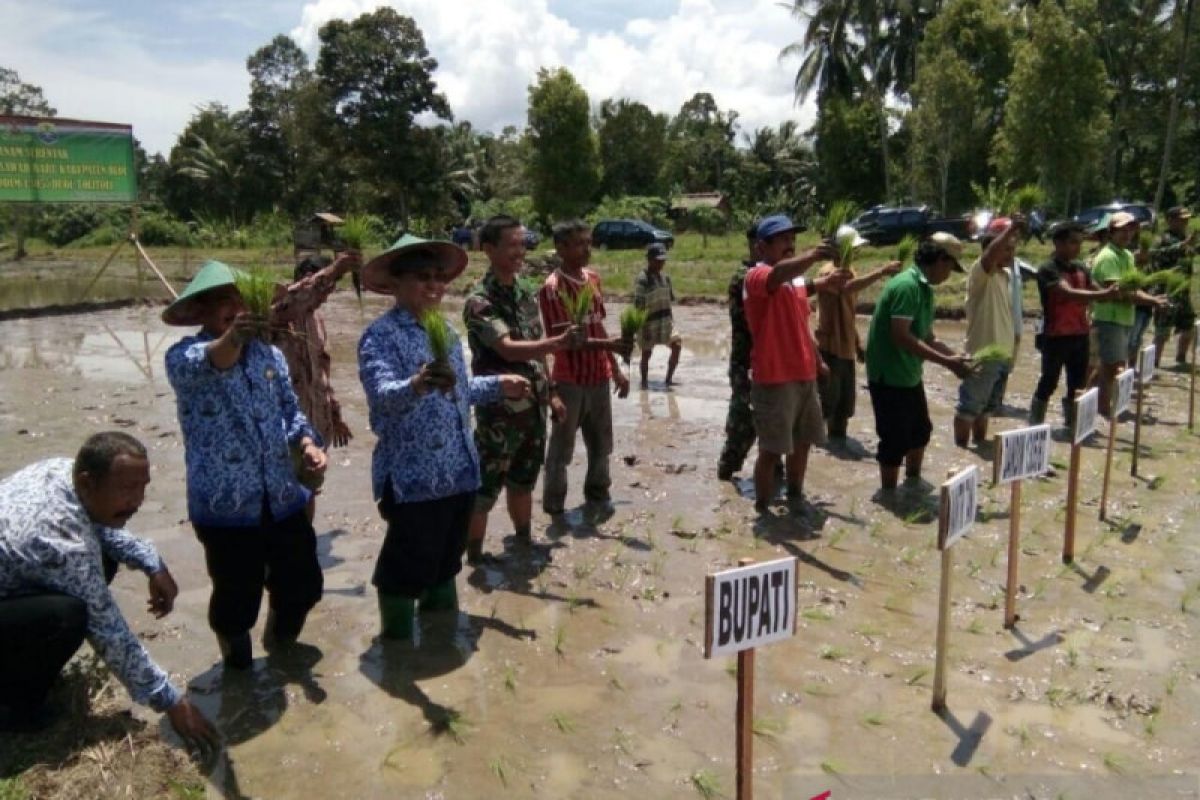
{"points": [[1068, 554], [745, 725], [87, 289], [1137, 428], [1108, 457], [943, 630], [137, 262], [1014, 549]]}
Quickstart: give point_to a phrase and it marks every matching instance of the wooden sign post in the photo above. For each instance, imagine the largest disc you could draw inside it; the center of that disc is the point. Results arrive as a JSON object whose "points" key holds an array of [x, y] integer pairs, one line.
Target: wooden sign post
{"points": [[1145, 372], [1121, 395], [1087, 410], [1192, 384], [746, 607], [1023, 453], [960, 499]]}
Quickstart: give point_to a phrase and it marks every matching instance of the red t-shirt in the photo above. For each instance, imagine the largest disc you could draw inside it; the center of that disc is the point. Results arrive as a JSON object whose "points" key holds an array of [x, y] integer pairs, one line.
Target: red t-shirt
{"points": [[783, 348], [579, 367], [1062, 315]]}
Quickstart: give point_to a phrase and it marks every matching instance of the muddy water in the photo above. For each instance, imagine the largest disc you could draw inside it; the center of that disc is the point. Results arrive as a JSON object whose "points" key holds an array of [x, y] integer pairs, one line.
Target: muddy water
{"points": [[575, 669]]}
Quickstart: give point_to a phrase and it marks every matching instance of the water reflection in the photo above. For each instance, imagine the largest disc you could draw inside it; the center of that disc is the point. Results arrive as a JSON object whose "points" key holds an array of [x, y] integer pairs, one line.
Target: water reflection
{"points": [[118, 355]]}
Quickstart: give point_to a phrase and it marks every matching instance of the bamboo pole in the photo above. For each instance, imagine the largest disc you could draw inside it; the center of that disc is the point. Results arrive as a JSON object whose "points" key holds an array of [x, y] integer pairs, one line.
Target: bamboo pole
{"points": [[943, 633], [1068, 554], [1014, 550]]}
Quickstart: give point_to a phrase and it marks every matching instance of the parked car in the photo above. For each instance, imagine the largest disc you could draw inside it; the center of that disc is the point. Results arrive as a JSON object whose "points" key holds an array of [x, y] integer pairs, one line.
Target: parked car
{"points": [[889, 224], [617, 234], [464, 237], [1143, 212]]}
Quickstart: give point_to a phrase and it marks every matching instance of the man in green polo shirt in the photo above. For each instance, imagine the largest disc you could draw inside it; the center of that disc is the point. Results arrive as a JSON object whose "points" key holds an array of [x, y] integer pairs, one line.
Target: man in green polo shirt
{"points": [[900, 340], [1113, 320], [504, 329]]}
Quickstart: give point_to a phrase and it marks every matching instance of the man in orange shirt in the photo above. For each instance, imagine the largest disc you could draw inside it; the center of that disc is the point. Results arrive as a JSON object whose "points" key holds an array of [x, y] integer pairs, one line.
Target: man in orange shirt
{"points": [[784, 361]]}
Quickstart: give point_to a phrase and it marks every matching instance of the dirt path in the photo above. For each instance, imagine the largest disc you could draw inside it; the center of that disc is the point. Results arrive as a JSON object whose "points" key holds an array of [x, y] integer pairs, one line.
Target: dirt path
{"points": [[576, 670]]}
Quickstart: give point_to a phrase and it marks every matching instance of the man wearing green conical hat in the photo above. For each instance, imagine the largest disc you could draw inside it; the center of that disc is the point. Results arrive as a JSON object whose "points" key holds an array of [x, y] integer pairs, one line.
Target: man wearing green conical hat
{"points": [[241, 422], [425, 469]]}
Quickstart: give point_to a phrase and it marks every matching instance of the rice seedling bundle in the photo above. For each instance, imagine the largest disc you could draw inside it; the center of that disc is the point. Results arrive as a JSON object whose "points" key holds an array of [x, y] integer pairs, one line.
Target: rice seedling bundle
{"points": [[1025, 199], [579, 305], [257, 288], [991, 353], [840, 213], [905, 249], [1133, 281], [633, 319], [356, 231], [439, 335]]}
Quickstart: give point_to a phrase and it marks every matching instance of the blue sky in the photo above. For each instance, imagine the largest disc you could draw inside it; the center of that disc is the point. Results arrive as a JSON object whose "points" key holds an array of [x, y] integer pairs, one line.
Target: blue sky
{"points": [[152, 63]]}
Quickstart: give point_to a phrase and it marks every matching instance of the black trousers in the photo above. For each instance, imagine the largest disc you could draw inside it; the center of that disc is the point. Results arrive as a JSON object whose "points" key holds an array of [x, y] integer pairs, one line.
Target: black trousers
{"points": [[1058, 352], [38, 635], [424, 542], [279, 556]]}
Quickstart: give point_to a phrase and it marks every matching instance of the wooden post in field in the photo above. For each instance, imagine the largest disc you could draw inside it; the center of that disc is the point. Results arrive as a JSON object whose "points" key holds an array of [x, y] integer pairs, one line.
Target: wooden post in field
{"points": [[747, 607], [1119, 399], [1086, 412], [1023, 453], [959, 500], [1145, 372], [1192, 383]]}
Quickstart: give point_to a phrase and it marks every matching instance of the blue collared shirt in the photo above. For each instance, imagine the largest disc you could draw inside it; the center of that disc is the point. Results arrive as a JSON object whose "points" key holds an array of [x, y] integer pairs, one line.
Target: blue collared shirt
{"points": [[239, 426], [48, 543], [425, 448]]}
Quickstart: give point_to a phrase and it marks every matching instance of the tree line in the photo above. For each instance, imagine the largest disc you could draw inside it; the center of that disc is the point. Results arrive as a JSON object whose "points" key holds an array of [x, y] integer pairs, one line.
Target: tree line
{"points": [[918, 101]]}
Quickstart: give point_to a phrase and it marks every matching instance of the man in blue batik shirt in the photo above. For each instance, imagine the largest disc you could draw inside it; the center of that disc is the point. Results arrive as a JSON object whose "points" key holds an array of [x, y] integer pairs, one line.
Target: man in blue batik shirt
{"points": [[61, 526], [241, 424]]}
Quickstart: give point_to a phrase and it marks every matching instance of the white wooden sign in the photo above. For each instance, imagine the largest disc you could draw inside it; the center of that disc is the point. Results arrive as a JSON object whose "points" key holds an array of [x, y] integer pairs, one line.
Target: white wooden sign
{"points": [[1145, 366], [1024, 453], [1087, 409], [1124, 392], [750, 606], [960, 499]]}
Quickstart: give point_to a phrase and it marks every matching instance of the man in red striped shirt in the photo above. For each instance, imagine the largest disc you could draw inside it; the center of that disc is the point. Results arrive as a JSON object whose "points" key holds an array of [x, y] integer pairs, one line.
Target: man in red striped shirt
{"points": [[582, 376]]}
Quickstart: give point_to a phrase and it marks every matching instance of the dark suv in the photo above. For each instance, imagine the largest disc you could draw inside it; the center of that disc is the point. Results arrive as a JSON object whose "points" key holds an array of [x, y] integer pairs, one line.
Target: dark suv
{"points": [[617, 234], [1143, 213], [883, 225]]}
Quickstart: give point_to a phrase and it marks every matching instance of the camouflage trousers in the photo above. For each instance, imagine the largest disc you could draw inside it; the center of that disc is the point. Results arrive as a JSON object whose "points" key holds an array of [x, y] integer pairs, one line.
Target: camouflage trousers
{"points": [[739, 422], [512, 447]]}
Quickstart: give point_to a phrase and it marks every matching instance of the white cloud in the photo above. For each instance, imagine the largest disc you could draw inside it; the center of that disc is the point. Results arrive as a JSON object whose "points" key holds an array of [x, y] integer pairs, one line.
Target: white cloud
{"points": [[489, 51]]}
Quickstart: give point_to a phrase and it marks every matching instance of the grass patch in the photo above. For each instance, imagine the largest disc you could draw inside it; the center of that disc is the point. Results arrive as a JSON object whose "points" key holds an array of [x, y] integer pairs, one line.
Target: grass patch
{"points": [[706, 784]]}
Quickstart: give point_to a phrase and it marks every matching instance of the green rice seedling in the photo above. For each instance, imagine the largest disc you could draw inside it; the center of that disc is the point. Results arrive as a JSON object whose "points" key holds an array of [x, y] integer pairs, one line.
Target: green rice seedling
{"points": [[731, 668], [976, 627], [840, 213], [616, 683], [577, 305], [633, 319], [510, 679], [818, 690], [560, 640], [992, 353], [816, 614], [831, 767], [905, 249], [1150, 725], [1157, 482], [706, 784], [1172, 682], [1026, 198], [622, 741], [1114, 763], [836, 537], [500, 768], [916, 677], [873, 719], [450, 722], [831, 652], [563, 722], [356, 231], [439, 335], [769, 727], [257, 289], [1133, 281]]}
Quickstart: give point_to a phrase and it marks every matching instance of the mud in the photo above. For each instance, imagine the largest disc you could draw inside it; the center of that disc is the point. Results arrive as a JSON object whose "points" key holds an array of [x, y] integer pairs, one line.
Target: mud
{"points": [[575, 667]]}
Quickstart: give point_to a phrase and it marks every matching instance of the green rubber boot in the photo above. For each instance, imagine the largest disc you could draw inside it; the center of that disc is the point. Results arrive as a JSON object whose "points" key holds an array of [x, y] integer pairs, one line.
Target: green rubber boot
{"points": [[442, 597], [397, 615]]}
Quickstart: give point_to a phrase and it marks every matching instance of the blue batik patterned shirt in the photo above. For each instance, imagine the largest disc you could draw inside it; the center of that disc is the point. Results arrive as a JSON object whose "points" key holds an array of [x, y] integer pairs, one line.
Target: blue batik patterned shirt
{"points": [[239, 426], [425, 448], [48, 543]]}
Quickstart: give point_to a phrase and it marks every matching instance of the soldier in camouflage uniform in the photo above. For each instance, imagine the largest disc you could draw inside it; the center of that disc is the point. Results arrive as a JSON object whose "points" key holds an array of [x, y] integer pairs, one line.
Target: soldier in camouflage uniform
{"points": [[739, 422], [504, 331], [1174, 251]]}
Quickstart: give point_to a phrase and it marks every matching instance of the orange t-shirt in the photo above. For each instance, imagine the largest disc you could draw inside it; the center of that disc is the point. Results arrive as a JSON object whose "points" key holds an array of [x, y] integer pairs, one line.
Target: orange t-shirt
{"points": [[783, 347]]}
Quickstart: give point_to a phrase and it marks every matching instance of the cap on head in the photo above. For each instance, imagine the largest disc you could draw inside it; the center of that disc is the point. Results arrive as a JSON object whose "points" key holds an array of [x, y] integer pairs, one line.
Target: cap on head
{"points": [[1100, 226], [951, 246], [1179, 212], [848, 233], [1121, 219], [656, 251], [774, 225], [997, 226]]}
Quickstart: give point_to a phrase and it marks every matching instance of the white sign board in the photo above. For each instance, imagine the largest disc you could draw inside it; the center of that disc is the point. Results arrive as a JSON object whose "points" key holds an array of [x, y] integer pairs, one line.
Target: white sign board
{"points": [[1024, 453], [1145, 365], [1087, 409], [960, 499], [1124, 392], [750, 606]]}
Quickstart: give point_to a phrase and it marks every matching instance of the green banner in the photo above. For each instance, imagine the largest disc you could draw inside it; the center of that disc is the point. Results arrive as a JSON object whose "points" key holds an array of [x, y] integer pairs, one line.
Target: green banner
{"points": [[65, 161]]}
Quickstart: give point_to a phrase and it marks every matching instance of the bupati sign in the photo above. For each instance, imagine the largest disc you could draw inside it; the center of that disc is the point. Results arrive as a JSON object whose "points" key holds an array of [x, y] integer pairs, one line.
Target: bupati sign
{"points": [[65, 161], [750, 606], [1024, 453]]}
